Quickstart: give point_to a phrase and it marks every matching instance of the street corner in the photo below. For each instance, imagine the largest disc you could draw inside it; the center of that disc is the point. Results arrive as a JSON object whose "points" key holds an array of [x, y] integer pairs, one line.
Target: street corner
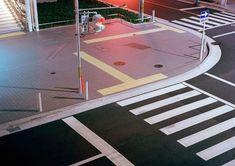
{"points": [[137, 56]]}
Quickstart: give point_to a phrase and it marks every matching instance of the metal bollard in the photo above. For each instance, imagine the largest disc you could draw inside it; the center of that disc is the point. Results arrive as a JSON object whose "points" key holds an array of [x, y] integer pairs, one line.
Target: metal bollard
{"points": [[86, 93], [153, 15], [40, 101]]}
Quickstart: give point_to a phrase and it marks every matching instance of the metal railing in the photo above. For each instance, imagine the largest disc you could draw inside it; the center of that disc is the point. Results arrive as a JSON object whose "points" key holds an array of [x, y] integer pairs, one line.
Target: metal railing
{"points": [[52, 24]]}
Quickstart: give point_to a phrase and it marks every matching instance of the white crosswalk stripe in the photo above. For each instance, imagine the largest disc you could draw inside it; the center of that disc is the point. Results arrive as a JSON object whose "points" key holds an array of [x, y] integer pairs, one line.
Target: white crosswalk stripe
{"points": [[230, 163], [179, 110], [222, 17], [187, 25], [161, 103], [217, 149], [227, 13], [150, 95], [195, 120], [214, 20], [207, 133], [220, 108], [225, 16]]}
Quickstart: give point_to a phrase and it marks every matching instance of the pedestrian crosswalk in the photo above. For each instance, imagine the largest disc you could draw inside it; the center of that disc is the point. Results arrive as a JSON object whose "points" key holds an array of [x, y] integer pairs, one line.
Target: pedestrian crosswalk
{"points": [[214, 20], [201, 107]]}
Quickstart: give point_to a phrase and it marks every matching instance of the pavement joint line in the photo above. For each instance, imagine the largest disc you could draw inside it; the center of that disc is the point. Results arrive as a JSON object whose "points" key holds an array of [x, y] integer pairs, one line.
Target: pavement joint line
{"points": [[88, 160], [11, 34], [105, 67], [170, 28], [132, 84], [106, 149], [125, 35]]}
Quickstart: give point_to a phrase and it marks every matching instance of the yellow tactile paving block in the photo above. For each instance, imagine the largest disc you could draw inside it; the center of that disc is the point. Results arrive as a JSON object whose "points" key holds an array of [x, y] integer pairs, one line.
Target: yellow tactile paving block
{"points": [[11, 34], [132, 84], [96, 40], [106, 68]]}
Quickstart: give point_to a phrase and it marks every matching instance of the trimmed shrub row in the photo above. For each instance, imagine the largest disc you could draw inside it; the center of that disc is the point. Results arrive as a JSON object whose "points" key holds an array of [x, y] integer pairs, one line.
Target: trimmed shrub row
{"points": [[63, 10]]}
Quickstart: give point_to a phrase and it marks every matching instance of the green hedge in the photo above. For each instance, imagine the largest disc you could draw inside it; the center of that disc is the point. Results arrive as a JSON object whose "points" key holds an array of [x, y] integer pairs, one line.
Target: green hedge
{"points": [[64, 10]]}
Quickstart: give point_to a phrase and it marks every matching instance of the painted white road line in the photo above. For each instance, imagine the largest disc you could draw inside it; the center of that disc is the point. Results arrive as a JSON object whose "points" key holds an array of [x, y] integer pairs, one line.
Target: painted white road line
{"points": [[225, 34], [112, 154], [227, 20], [195, 22], [220, 79], [207, 22], [187, 25], [88, 160], [164, 102], [226, 16], [180, 110], [218, 20], [150, 95], [207, 133], [217, 149], [208, 94], [230, 163], [229, 14], [196, 120]]}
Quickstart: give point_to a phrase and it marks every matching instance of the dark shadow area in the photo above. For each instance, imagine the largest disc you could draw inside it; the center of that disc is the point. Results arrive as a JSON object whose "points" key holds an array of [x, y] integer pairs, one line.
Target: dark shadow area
{"points": [[73, 98], [18, 110], [41, 89]]}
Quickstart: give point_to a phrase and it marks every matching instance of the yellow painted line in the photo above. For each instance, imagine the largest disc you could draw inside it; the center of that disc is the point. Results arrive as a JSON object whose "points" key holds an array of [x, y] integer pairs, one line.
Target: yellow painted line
{"points": [[170, 28], [11, 34], [106, 68], [124, 35], [132, 84]]}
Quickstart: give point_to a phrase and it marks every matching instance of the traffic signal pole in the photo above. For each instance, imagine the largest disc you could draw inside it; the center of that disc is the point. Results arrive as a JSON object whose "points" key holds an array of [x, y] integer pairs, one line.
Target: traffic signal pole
{"points": [[79, 69]]}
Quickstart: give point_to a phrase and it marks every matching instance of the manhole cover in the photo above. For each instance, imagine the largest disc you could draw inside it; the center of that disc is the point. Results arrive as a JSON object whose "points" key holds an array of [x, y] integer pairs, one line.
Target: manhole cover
{"points": [[158, 66], [119, 63]]}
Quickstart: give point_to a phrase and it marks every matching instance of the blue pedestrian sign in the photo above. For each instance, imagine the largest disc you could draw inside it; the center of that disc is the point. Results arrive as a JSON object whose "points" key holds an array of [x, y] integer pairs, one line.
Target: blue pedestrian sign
{"points": [[204, 15]]}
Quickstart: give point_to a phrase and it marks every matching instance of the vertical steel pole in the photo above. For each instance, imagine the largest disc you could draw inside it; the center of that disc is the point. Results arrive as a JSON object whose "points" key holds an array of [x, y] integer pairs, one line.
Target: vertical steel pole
{"points": [[79, 70], [35, 15], [28, 16], [202, 41], [141, 10]]}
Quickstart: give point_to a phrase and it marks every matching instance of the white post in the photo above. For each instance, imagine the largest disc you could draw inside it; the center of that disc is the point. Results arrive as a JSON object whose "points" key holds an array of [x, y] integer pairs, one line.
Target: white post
{"points": [[35, 15], [86, 93], [40, 101], [76, 4], [202, 42], [28, 16], [153, 15]]}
